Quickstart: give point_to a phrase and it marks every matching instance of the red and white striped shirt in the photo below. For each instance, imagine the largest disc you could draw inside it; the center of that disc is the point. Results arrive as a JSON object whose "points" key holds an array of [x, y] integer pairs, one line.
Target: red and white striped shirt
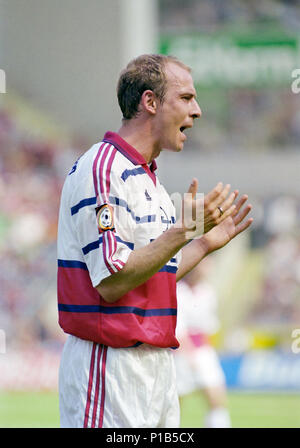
{"points": [[112, 203]]}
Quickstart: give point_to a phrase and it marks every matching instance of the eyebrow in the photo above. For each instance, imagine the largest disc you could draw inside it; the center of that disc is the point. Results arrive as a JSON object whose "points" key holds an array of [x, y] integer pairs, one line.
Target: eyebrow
{"points": [[190, 93]]}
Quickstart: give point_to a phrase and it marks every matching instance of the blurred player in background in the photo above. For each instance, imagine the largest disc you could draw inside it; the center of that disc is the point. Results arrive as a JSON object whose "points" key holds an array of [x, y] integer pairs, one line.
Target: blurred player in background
{"points": [[197, 364], [121, 251]]}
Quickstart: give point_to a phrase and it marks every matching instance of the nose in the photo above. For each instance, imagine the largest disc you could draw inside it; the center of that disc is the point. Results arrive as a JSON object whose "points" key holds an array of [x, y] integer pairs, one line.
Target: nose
{"points": [[196, 111]]}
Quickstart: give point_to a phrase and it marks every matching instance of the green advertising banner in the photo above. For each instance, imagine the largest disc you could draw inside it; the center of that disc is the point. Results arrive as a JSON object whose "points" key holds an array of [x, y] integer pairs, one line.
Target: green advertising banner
{"points": [[236, 59]]}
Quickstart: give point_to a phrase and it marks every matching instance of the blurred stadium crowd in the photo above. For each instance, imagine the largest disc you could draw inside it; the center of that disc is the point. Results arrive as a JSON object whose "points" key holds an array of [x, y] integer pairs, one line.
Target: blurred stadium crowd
{"points": [[32, 169], [277, 305], [210, 14]]}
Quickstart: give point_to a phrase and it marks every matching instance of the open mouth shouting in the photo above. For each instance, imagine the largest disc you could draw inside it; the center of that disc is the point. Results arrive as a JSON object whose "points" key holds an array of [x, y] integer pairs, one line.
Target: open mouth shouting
{"points": [[182, 130]]}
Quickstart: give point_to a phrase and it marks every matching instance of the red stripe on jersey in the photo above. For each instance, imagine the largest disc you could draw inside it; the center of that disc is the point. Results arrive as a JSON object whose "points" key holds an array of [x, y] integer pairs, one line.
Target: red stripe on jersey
{"points": [[96, 393], [113, 247], [103, 174], [90, 385], [102, 189], [108, 170], [75, 288], [95, 170], [119, 329], [106, 248], [102, 402], [73, 283]]}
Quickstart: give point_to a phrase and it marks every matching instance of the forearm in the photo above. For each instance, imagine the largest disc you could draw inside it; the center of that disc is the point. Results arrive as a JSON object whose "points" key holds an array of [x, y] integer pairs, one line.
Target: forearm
{"points": [[142, 264], [192, 254]]}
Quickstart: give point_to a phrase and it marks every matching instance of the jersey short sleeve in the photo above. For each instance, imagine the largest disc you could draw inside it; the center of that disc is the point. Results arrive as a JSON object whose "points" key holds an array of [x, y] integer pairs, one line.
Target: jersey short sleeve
{"points": [[104, 229]]}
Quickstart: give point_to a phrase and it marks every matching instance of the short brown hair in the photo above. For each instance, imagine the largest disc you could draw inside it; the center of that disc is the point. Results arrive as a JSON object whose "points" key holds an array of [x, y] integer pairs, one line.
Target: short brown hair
{"points": [[146, 72]]}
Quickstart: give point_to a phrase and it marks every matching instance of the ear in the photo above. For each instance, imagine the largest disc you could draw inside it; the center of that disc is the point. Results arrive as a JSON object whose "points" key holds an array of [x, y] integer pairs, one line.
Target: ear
{"points": [[149, 102]]}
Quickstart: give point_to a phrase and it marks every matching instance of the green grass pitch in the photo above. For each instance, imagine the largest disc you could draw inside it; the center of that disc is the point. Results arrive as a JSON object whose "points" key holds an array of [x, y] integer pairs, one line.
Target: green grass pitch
{"points": [[248, 410]]}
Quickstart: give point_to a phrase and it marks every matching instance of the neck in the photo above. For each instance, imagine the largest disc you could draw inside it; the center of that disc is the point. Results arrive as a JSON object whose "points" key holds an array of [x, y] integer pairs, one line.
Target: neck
{"points": [[138, 133]]}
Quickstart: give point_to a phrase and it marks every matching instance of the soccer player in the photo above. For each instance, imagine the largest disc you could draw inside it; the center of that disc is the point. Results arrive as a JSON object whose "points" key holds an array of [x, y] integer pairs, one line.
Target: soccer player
{"points": [[121, 251], [197, 365]]}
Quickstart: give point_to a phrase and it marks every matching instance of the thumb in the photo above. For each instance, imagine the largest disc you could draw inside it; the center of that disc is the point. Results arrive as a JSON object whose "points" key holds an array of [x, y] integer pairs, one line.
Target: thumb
{"points": [[193, 187]]}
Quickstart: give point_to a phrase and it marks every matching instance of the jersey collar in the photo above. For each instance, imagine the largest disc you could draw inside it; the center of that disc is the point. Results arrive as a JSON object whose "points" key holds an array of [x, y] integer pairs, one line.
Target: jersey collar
{"points": [[130, 153]]}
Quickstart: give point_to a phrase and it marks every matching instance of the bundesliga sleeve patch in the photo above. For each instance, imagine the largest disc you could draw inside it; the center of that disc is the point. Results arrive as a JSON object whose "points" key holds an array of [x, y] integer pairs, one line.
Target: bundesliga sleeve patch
{"points": [[105, 219]]}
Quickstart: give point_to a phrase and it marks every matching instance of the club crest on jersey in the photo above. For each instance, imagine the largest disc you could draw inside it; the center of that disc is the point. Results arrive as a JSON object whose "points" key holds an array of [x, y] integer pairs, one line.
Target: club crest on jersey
{"points": [[105, 219]]}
